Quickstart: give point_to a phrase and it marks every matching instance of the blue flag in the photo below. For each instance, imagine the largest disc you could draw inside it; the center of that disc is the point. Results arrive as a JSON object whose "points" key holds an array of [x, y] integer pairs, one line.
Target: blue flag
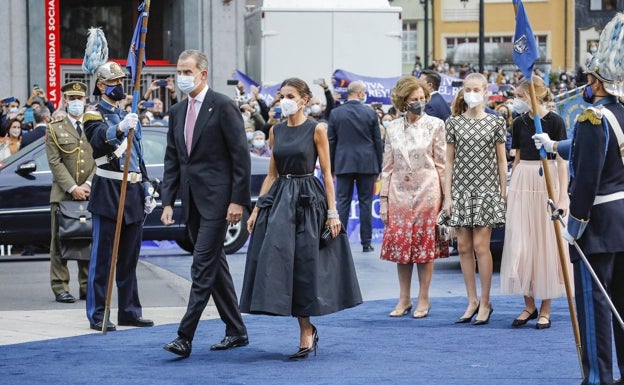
{"points": [[525, 51], [135, 45]]}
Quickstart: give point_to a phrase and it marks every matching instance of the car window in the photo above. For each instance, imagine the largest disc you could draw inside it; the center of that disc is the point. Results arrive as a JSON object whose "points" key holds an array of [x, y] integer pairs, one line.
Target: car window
{"points": [[41, 160], [154, 145]]}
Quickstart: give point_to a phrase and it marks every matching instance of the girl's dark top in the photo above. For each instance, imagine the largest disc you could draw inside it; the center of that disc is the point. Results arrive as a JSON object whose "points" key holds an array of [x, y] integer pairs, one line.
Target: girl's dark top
{"points": [[524, 129]]}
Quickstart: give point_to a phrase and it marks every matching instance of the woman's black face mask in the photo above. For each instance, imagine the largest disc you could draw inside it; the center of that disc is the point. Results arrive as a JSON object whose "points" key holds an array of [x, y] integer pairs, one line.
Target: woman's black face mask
{"points": [[416, 108]]}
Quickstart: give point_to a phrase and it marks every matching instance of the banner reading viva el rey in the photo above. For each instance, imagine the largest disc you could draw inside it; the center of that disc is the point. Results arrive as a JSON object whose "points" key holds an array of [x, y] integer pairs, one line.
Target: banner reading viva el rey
{"points": [[379, 90], [52, 40]]}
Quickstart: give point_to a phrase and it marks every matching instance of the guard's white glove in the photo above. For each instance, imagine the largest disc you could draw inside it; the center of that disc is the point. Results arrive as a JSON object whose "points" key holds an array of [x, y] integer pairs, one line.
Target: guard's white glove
{"points": [[130, 121], [567, 236], [150, 204], [543, 140]]}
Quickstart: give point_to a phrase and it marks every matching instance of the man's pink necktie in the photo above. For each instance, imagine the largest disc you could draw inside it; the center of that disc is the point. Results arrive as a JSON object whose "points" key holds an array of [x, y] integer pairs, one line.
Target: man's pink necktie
{"points": [[191, 117]]}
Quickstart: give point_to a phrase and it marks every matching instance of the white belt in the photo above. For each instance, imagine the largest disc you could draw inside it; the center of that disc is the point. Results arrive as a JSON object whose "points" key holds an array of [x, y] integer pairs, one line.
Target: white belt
{"points": [[133, 177], [113, 155], [608, 198]]}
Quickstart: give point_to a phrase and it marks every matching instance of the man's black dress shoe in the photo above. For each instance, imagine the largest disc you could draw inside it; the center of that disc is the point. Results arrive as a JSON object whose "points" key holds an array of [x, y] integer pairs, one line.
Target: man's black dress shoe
{"points": [[180, 346], [109, 326], [229, 342], [83, 296], [139, 322], [65, 297], [367, 249]]}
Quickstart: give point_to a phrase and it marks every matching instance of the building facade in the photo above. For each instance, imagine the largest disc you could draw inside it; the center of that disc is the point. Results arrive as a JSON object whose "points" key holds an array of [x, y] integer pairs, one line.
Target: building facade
{"points": [[45, 40], [564, 30], [591, 16]]}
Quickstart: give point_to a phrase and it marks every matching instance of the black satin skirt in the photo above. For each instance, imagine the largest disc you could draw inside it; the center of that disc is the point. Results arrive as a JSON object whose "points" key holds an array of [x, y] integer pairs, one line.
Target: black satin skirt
{"points": [[288, 271]]}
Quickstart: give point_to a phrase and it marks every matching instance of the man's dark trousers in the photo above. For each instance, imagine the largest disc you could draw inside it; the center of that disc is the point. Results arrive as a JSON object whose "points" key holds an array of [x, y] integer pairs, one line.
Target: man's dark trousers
{"points": [[344, 193], [210, 276]]}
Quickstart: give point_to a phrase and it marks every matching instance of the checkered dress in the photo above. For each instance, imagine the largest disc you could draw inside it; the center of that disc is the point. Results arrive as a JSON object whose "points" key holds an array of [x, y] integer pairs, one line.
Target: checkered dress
{"points": [[475, 187]]}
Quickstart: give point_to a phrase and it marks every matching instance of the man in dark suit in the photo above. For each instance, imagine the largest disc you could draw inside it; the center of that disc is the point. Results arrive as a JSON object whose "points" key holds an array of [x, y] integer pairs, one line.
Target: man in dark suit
{"points": [[356, 154], [42, 118], [436, 106], [107, 130], [207, 162]]}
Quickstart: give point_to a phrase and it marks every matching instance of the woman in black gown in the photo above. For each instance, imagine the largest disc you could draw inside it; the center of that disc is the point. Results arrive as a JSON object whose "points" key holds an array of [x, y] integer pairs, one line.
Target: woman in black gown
{"points": [[290, 271]]}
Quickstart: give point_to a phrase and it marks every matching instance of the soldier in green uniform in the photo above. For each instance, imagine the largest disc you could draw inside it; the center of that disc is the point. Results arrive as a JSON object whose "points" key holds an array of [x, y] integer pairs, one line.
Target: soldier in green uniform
{"points": [[71, 161]]}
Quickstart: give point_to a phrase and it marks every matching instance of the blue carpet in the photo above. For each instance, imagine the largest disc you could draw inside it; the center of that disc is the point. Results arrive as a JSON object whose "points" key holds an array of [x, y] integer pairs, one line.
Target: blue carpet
{"points": [[357, 346]]}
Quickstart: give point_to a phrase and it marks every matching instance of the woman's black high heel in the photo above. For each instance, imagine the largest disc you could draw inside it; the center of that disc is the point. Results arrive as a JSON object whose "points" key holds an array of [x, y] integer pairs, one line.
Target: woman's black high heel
{"points": [[464, 320], [485, 321], [303, 352]]}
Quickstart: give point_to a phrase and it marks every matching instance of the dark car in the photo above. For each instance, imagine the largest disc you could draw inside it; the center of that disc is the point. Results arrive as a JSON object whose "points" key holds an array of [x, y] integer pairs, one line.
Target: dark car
{"points": [[25, 183]]}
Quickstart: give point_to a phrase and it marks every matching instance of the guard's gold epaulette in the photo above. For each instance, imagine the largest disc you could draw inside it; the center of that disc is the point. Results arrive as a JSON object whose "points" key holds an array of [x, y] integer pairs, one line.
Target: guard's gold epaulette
{"points": [[592, 115], [91, 116]]}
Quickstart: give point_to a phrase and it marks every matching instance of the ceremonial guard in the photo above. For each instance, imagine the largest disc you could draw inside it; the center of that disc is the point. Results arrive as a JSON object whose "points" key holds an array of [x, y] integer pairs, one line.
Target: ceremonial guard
{"points": [[597, 205], [107, 129], [72, 166]]}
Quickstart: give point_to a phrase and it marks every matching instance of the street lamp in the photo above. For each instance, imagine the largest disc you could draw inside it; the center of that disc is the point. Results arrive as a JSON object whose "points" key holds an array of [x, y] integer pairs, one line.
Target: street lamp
{"points": [[481, 37], [481, 33], [426, 6]]}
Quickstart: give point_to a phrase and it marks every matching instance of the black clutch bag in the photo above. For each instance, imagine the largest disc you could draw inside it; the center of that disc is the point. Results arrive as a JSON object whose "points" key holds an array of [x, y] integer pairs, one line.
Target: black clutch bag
{"points": [[326, 235]]}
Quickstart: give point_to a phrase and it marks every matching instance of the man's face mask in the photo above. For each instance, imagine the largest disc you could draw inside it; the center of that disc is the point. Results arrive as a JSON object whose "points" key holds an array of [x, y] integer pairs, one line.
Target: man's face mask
{"points": [[588, 93]]}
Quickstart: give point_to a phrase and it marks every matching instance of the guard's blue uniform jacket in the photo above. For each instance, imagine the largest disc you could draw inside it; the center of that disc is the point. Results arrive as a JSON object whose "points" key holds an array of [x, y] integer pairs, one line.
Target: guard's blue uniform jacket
{"points": [[101, 130], [596, 170], [596, 221]]}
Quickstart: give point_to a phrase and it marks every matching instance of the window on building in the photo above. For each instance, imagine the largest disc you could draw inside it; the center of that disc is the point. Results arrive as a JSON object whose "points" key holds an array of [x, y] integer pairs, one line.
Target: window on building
{"points": [[465, 48], [602, 5], [117, 18], [409, 41]]}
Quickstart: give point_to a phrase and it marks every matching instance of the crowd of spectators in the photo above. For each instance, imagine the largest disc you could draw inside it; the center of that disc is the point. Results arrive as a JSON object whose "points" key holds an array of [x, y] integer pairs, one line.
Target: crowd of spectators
{"points": [[260, 116]]}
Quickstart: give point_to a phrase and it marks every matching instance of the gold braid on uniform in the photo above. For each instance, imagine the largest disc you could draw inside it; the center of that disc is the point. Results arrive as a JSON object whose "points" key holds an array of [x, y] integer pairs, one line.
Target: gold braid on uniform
{"points": [[592, 115], [55, 139]]}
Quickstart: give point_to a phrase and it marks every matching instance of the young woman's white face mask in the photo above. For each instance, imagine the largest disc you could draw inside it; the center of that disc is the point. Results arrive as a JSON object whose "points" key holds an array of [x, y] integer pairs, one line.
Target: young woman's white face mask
{"points": [[473, 99]]}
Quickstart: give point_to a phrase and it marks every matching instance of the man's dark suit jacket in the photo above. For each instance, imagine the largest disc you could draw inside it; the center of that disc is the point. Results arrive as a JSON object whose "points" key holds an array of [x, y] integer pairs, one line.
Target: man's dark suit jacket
{"points": [[29, 137], [217, 172], [355, 140], [438, 107]]}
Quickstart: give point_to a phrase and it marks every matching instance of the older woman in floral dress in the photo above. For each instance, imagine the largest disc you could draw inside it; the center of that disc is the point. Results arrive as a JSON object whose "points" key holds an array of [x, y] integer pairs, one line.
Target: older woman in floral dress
{"points": [[411, 193]]}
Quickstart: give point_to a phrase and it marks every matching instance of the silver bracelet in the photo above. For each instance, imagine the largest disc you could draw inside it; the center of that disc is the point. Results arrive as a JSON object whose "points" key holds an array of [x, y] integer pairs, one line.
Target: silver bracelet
{"points": [[332, 214]]}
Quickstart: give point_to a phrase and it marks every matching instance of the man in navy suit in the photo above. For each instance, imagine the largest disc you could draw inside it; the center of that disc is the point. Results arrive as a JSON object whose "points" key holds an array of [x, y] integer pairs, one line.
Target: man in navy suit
{"points": [[356, 154], [207, 163], [436, 106]]}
